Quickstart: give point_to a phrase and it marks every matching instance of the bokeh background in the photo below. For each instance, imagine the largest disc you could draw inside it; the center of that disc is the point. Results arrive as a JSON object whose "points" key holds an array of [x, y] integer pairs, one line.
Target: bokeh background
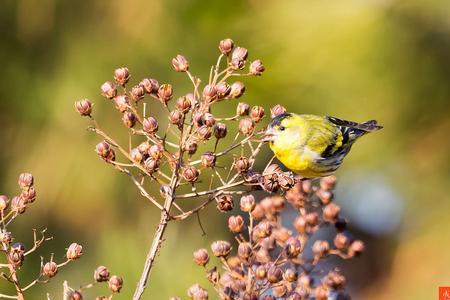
{"points": [[378, 59]]}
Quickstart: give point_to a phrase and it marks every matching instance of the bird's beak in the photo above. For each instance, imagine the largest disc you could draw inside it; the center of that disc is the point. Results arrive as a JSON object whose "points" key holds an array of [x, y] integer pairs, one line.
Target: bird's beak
{"points": [[269, 135]]}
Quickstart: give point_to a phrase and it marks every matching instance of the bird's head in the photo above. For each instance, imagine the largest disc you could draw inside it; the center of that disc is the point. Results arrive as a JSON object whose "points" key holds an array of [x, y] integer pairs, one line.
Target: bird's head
{"points": [[282, 129]]}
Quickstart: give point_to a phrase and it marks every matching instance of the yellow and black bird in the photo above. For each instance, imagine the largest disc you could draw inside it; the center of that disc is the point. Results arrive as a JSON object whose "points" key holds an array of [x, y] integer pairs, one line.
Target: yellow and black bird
{"points": [[314, 146]]}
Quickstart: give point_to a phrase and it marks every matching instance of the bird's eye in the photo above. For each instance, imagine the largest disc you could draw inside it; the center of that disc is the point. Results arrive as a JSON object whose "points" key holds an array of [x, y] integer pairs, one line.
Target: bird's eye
{"points": [[282, 128]]}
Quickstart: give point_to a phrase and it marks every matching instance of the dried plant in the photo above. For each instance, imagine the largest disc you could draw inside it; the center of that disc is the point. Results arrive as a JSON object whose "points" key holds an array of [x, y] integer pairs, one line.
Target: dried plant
{"points": [[276, 260], [15, 253], [194, 157], [101, 275]]}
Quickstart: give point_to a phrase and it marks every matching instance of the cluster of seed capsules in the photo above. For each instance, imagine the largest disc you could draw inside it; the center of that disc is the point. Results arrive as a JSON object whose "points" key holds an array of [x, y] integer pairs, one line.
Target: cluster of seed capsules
{"points": [[190, 114], [275, 260], [16, 252], [101, 275]]}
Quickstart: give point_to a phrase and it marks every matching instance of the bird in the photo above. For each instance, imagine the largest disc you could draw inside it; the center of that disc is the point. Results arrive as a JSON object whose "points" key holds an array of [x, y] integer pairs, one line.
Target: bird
{"points": [[313, 146]]}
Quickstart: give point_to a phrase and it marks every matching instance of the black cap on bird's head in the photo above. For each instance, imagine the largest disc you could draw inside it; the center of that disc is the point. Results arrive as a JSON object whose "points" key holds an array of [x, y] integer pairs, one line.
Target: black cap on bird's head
{"points": [[278, 119], [274, 126]]}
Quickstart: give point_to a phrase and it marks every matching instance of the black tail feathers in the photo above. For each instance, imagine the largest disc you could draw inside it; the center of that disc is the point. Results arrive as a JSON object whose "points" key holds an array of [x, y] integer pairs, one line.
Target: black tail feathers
{"points": [[370, 126]]}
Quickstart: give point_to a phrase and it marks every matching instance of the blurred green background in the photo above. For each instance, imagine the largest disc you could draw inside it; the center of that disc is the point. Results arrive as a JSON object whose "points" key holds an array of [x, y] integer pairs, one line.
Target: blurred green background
{"points": [[382, 59]]}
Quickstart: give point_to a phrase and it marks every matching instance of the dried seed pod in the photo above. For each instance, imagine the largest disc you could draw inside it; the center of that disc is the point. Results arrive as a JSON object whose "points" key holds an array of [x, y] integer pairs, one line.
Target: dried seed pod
{"points": [[293, 247], [208, 119], [300, 224], [277, 110], [234, 263], [150, 125], [121, 76], [281, 235], [325, 196], [286, 180], [75, 295], [28, 195], [3, 202], [137, 93], [180, 63], [165, 92], [262, 230], [226, 46], [279, 291], [105, 151], [196, 292], [156, 151], [257, 113], [220, 130], [321, 293], [223, 90], [270, 182], [246, 126], [221, 248], [342, 241], [191, 145], [26, 180], [274, 274], [290, 274], [256, 68], [331, 212], [190, 174], [295, 197], [136, 155], [225, 203], [312, 218], [305, 280], [320, 248], [236, 64], [74, 251], [237, 89], [101, 274], [129, 119], [240, 53], [150, 85], [198, 119], [235, 224], [356, 248], [210, 93], [208, 159], [328, 182], [183, 104], [204, 133], [50, 269], [248, 203], [201, 257], [176, 117], [151, 165], [18, 205], [258, 212], [15, 257], [245, 251], [242, 109], [334, 280], [121, 103], [109, 89], [261, 272], [84, 107], [242, 164], [115, 284]]}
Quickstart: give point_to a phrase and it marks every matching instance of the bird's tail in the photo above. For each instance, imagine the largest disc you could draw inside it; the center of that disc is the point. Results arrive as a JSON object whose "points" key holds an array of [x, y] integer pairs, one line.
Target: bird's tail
{"points": [[369, 126]]}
